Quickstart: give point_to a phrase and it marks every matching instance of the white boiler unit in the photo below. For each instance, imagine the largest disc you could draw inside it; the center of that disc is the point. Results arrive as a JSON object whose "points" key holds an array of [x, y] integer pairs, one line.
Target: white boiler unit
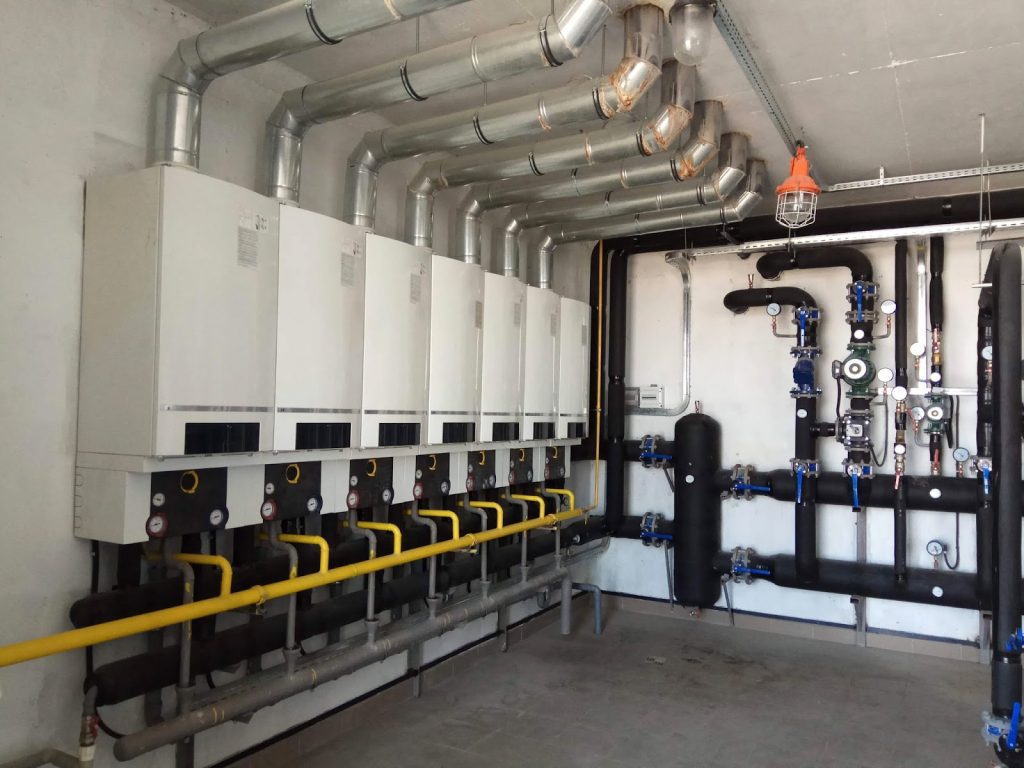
{"points": [[540, 366], [396, 339], [456, 325], [319, 332], [574, 367], [179, 316], [501, 384]]}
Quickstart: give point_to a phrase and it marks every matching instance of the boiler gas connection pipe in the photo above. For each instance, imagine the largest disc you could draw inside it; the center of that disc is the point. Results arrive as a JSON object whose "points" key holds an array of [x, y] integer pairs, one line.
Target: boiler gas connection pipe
{"points": [[217, 561], [291, 647], [15, 653], [370, 529], [524, 565], [485, 582], [186, 685], [433, 600]]}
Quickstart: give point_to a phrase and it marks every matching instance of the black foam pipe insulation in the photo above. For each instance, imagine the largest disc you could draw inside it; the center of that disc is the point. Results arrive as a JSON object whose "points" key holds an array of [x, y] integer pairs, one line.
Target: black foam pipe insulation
{"points": [[697, 524], [771, 265], [615, 457], [742, 300], [135, 675]]}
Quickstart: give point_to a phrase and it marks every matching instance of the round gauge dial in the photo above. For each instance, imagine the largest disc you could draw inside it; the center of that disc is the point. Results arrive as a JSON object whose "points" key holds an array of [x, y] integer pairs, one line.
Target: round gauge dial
{"points": [[935, 547], [159, 499], [269, 489], [888, 307], [352, 499], [917, 413], [268, 510], [899, 394], [885, 375], [313, 504], [917, 349], [961, 454], [217, 518], [156, 526], [899, 449], [986, 352], [774, 309]]}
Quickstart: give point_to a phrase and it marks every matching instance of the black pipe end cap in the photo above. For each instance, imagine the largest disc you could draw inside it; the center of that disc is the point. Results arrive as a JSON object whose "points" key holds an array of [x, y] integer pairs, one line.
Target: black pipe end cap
{"points": [[1011, 758]]}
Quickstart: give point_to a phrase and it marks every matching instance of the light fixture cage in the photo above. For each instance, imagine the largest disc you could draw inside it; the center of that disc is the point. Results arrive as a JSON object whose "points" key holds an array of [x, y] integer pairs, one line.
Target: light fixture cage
{"points": [[796, 208]]}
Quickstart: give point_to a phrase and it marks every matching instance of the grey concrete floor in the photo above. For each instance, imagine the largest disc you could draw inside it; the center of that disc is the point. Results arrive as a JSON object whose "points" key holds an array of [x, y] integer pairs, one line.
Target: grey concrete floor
{"points": [[655, 691]]}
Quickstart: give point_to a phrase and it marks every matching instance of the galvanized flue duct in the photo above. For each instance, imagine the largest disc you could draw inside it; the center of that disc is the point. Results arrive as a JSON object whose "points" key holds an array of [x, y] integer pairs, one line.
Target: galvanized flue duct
{"points": [[478, 59], [284, 29], [643, 44], [521, 117], [736, 209], [686, 162]]}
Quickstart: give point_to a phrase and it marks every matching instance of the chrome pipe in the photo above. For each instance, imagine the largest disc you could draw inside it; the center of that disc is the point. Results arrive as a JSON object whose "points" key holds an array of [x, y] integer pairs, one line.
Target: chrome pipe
{"points": [[585, 148], [294, 26], [686, 162], [732, 165], [738, 207], [477, 59]]}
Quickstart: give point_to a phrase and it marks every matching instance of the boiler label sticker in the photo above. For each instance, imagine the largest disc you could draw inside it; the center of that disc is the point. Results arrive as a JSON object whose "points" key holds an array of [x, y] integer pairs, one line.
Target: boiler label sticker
{"points": [[348, 269], [415, 288]]}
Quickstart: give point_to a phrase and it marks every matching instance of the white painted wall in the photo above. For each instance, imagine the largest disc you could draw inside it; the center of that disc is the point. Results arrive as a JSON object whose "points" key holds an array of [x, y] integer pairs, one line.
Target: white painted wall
{"points": [[77, 75], [742, 375]]}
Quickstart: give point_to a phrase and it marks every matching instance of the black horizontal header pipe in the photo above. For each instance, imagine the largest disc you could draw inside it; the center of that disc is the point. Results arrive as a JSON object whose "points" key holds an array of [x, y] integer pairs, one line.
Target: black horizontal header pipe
{"points": [[771, 265], [740, 301], [956, 494]]}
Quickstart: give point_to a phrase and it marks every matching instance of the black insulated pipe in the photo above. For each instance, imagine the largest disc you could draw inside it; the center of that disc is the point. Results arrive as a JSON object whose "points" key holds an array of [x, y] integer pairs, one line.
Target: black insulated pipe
{"points": [[771, 265], [697, 528], [985, 520], [936, 263], [951, 494], [615, 494], [740, 301], [1006, 661], [902, 313]]}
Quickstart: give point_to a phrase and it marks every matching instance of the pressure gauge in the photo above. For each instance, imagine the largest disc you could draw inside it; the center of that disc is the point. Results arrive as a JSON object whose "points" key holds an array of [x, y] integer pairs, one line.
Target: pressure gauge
{"points": [[352, 499], [353, 481], [217, 518], [313, 504], [885, 375], [899, 394], [774, 309], [387, 495], [419, 474], [899, 449], [156, 526], [917, 349], [986, 352], [268, 510], [269, 489], [888, 307], [159, 499], [961, 454], [917, 413], [417, 491], [445, 487], [935, 548]]}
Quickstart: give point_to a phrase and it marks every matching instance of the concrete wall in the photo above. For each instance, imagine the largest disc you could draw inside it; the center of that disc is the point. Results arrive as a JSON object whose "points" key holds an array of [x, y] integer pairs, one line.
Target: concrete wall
{"points": [[742, 376], [77, 75]]}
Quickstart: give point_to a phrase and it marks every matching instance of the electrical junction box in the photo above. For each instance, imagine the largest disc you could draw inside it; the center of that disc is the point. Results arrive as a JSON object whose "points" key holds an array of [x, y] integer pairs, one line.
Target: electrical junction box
{"points": [[540, 365], [319, 332], [574, 369], [396, 341], [501, 382], [456, 334], [179, 316]]}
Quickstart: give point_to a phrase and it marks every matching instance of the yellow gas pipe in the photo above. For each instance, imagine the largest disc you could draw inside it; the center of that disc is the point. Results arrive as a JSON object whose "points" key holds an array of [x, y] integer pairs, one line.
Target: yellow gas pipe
{"points": [[226, 574]]}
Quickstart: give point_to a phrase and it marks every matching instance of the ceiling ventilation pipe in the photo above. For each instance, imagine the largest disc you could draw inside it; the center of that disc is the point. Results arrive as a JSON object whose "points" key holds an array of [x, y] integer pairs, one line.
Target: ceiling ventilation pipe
{"points": [[513, 118], [284, 29], [643, 48], [738, 208], [478, 59], [732, 167], [686, 162]]}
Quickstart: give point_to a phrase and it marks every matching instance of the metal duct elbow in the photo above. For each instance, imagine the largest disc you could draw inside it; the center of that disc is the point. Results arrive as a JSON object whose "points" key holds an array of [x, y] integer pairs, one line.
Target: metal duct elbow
{"points": [[492, 56], [678, 86], [641, 65], [419, 204], [510, 243], [278, 31], [545, 255], [732, 169], [704, 140], [750, 197]]}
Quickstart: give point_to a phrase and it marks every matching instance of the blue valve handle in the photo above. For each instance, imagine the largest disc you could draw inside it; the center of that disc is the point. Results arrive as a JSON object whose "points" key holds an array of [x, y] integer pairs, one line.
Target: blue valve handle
{"points": [[655, 535], [855, 479], [661, 456], [799, 484], [1015, 642], [985, 472], [1011, 737], [751, 488], [860, 303], [741, 570]]}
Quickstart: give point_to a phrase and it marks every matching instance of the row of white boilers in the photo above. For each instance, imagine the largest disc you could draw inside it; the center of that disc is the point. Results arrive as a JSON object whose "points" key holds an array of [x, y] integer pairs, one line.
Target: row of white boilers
{"points": [[216, 320]]}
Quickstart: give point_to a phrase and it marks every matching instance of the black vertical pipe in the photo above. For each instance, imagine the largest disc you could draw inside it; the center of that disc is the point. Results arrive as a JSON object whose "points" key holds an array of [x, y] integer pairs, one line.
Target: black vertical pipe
{"points": [[589, 447], [936, 263], [902, 314], [806, 513], [984, 520], [1006, 662], [615, 496], [697, 527]]}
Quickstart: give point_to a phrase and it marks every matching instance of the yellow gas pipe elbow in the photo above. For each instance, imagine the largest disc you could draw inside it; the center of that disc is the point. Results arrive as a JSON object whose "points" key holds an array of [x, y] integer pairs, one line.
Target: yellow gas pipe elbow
{"points": [[539, 501], [317, 541], [444, 513], [563, 492], [499, 510], [391, 528], [221, 563]]}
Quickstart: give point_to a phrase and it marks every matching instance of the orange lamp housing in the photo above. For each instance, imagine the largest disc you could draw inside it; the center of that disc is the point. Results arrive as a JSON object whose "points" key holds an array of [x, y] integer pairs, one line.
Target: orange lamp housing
{"points": [[798, 194]]}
